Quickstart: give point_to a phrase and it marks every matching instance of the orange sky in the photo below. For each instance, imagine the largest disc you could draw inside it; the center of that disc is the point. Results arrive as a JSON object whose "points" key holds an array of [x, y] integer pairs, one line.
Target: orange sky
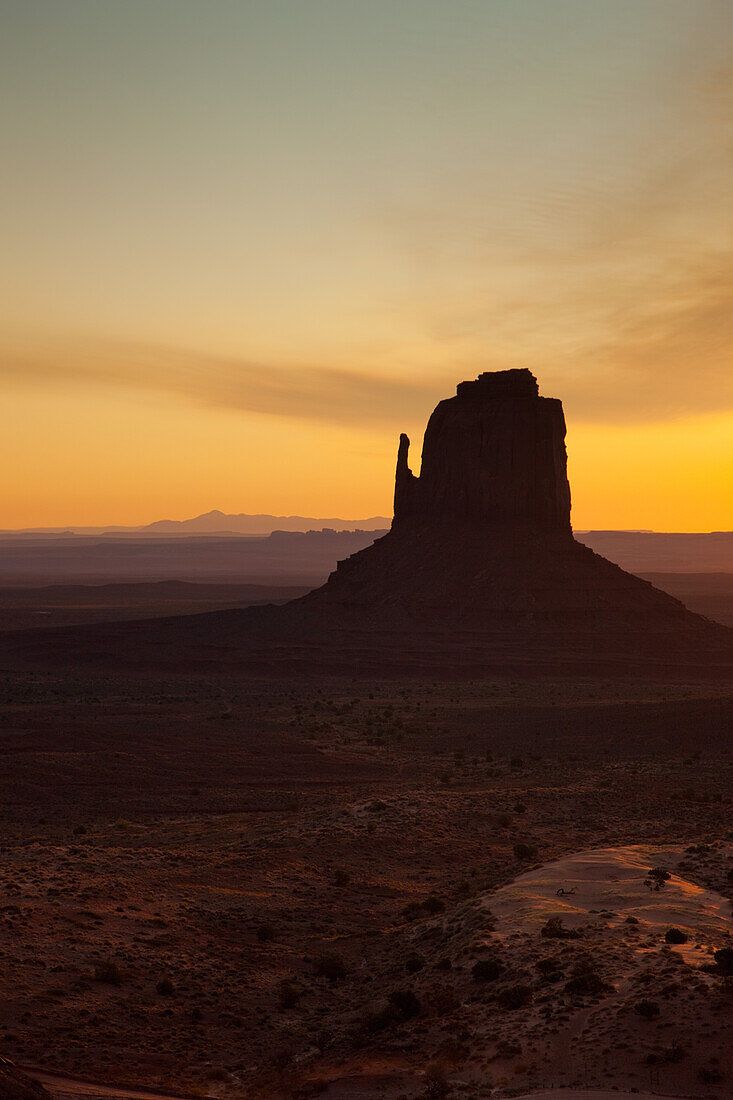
{"points": [[245, 249]]}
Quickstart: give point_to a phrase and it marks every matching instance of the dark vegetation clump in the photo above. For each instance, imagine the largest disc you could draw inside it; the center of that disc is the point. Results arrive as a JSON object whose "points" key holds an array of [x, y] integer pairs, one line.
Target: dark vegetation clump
{"points": [[556, 930], [486, 970], [288, 994], [414, 963], [675, 935], [405, 1003], [550, 969], [514, 997], [436, 1082], [165, 988], [430, 907], [588, 984], [724, 960], [402, 1005], [108, 972], [331, 966], [656, 878], [266, 933], [648, 1009], [585, 980], [525, 852]]}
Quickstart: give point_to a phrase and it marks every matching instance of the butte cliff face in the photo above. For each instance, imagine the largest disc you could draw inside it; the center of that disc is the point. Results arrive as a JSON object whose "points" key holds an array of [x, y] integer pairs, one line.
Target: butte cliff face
{"points": [[493, 458]]}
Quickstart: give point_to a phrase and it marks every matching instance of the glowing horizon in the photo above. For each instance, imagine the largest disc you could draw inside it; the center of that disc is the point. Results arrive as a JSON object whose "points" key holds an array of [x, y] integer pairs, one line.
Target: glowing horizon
{"points": [[251, 243]]}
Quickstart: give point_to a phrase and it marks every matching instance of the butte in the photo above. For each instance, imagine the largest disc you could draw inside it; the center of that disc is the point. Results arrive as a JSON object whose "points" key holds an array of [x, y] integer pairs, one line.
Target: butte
{"points": [[479, 576]]}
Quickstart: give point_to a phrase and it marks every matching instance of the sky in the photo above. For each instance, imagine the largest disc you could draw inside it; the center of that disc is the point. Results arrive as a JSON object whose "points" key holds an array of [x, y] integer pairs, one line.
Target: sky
{"points": [[246, 243]]}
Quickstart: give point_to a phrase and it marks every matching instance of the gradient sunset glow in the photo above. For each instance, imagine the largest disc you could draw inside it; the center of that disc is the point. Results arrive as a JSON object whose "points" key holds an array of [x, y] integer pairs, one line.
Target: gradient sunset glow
{"points": [[248, 243]]}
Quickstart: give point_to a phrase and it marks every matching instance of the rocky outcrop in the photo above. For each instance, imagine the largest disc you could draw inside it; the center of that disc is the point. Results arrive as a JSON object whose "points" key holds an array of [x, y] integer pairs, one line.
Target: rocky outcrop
{"points": [[493, 457]]}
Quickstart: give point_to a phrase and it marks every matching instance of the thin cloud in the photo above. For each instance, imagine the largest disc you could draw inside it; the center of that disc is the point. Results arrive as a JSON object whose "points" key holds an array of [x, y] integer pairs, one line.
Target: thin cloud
{"points": [[304, 391]]}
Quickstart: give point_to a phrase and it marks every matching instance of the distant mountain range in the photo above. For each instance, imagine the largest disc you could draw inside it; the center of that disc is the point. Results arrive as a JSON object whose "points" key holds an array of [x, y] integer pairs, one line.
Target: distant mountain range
{"points": [[217, 523]]}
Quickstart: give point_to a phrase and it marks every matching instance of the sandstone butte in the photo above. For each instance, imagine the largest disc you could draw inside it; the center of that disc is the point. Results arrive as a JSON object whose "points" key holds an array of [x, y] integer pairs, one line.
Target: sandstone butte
{"points": [[479, 575]]}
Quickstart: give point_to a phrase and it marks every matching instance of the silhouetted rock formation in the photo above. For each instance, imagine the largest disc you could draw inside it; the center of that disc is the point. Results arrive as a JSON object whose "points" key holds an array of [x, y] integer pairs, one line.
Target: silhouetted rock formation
{"points": [[479, 575], [482, 538], [494, 456]]}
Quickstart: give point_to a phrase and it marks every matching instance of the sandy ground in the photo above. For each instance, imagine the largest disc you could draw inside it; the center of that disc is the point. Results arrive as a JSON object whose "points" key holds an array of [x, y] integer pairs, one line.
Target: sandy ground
{"points": [[215, 841]]}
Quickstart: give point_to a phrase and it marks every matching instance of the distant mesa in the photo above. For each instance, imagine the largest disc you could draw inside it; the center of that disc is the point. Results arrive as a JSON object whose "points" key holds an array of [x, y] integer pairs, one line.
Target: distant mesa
{"points": [[213, 523]]}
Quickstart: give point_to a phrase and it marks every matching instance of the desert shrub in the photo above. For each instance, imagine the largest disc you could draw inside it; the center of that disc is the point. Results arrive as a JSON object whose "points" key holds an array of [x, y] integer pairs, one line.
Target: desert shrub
{"points": [[341, 877], [515, 996], [443, 1001], [656, 877], [668, 1056], [554, 929], [525, 851], [165, 988], [444, 964], [414, 963], [675, 935], [436, 1082], [430, 907], [631, 920], [405, 1003], [375, 1022], [724, 960], [486, 970], [587, 984], [281, 1058], [107, 971], [519, 808], [547, 966], [648, 1009], [288, 994], [330, 966], [266, 933], [324, 1039], [503, 821]]}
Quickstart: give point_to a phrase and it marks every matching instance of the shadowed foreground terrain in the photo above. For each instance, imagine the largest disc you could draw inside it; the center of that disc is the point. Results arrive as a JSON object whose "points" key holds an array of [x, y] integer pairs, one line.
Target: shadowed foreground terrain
{"points": [[289, 888]]}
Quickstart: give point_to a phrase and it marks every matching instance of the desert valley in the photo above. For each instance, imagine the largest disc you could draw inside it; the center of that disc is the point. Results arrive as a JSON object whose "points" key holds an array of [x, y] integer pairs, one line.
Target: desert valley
{"points": [[374, 843]]}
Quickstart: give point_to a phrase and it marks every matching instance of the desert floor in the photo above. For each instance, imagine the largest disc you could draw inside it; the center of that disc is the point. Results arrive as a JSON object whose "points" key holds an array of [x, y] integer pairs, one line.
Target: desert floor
{"points": [[282, 889]]}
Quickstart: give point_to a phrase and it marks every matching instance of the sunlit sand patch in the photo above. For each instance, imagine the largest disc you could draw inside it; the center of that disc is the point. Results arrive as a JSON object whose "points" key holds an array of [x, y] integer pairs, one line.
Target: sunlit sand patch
{"points": [[592, 1094], [608, 884]]}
